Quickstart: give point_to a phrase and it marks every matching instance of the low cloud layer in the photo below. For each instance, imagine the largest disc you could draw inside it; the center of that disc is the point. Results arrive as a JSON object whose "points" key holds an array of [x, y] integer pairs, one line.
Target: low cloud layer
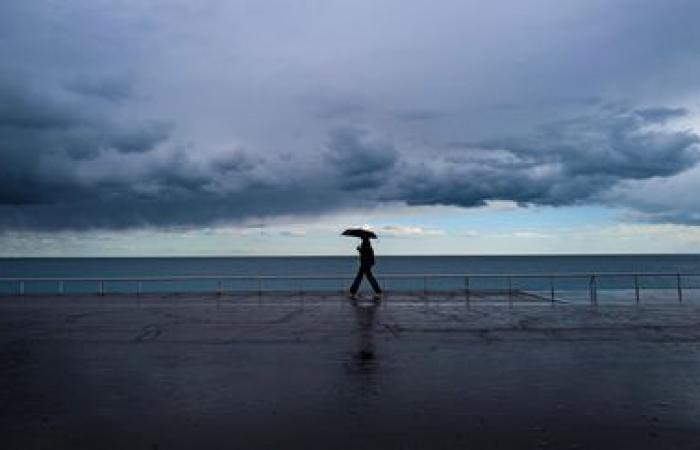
{"points": [[153, 181], [169, 114], [566, 162]]}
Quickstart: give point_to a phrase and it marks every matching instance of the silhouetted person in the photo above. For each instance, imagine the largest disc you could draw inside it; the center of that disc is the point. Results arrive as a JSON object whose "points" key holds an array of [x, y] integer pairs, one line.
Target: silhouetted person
{"points": [[365, 269]]}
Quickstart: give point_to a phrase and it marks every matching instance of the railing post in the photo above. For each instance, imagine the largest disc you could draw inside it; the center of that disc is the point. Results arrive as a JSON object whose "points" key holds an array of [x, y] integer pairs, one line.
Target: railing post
{"points": [[679, 285], [467, 290], [259, 287], [425, 287], [60, 287], [138, 288], [101, 287], [510, 288], [593, 291], [636, 288], [21, 287], [220, 288], [551, 288]]}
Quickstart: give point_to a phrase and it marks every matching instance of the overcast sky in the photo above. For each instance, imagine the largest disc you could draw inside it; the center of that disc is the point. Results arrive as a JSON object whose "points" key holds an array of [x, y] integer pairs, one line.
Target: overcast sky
{"points": [[140, 127]]}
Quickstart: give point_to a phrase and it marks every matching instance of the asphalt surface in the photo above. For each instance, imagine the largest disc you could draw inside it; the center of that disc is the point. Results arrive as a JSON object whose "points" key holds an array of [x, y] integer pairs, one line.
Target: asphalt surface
{"points": [[291, 372]]}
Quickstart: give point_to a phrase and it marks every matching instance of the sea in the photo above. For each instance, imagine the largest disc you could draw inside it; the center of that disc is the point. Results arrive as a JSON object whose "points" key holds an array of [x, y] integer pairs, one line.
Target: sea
{"points": [[295, 273]]}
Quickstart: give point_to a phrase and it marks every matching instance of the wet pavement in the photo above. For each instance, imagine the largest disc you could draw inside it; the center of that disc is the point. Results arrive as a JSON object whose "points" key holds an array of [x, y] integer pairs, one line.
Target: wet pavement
{"points": [[318, 372]]}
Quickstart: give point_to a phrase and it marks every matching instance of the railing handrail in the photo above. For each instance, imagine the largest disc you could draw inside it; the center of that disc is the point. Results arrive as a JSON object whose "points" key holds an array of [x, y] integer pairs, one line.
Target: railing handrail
{"points": [[592, 278], [350, 275]]}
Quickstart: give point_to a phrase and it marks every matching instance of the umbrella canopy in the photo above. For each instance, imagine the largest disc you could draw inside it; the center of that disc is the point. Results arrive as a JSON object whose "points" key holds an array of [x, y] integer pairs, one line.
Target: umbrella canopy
{"points": [[360, 232]]}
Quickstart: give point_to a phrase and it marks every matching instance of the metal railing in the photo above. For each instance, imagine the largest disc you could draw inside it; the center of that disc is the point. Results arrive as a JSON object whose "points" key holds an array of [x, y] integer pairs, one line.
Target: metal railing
{"points": [[549, 286]]}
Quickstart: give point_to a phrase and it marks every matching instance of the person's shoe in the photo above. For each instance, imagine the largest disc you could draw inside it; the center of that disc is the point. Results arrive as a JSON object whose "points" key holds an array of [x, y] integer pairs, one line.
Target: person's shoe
{"points": [[378, 297], [351, 295]]}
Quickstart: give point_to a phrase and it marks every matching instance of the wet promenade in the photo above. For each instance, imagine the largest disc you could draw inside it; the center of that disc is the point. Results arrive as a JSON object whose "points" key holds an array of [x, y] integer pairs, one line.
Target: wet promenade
{"points": [[121, 372]]}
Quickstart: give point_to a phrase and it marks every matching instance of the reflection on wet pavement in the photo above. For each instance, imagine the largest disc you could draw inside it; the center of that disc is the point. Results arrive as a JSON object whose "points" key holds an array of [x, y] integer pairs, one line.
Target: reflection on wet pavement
{"points": [[364, 357]]}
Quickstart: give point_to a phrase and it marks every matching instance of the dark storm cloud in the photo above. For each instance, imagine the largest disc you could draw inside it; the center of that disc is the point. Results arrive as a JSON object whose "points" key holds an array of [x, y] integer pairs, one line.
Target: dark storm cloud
{"points": [[420, 115], [139, 138], [45, 134], [68, 167], [173, 210], [358, 163], [660, 200], [120, 116], [21, 108], [660, 114], [617, 143], [113, 90], [565, 163], [174, 190]]}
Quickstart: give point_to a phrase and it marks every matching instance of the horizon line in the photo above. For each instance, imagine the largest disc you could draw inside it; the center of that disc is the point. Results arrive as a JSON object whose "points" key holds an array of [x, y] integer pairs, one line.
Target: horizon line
{"points": [[349, 255]]}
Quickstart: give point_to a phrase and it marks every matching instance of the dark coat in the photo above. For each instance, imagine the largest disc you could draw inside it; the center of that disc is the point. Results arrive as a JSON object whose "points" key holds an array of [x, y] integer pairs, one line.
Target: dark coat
{"points": [[366, 254]]}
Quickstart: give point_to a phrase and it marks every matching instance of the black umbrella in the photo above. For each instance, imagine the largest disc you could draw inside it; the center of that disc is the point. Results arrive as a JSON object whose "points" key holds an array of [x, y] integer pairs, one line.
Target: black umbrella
{"points": [[360, 233]]}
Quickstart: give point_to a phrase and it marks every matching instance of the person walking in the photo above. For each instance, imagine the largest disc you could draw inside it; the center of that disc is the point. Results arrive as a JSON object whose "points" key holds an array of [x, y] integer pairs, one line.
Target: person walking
{"points": [[365, 269]]}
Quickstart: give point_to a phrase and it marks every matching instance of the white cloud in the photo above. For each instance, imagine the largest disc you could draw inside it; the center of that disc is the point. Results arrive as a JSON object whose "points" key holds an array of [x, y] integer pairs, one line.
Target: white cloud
{"points": [[293, 233], [407, 231]]}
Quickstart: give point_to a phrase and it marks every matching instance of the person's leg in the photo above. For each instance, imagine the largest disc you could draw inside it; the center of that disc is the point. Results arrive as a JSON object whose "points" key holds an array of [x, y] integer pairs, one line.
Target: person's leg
{"points": [[356, 284], [372, 280]]}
